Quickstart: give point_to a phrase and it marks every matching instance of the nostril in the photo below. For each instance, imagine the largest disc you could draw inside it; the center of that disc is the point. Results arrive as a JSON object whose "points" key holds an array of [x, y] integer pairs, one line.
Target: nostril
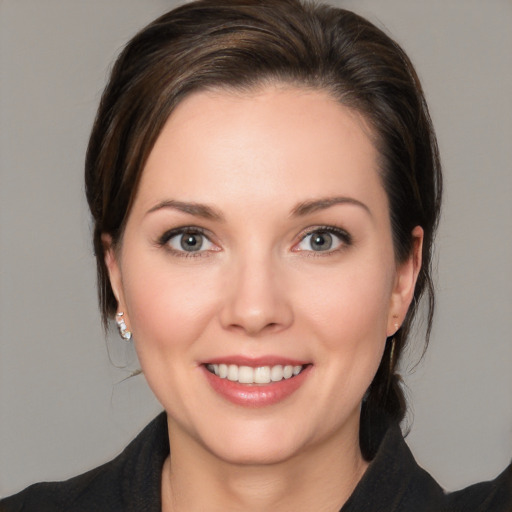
{"points": [[272, 327]]}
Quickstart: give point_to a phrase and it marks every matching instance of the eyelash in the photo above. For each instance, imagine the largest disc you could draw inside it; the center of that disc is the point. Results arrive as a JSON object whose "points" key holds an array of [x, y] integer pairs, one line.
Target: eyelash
{"points": [[163, 241], [344, 237]]}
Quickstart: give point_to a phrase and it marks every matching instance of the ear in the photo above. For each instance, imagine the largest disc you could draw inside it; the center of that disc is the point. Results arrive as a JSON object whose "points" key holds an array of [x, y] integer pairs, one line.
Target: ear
{"points": [[112, 263], [405, 283]]}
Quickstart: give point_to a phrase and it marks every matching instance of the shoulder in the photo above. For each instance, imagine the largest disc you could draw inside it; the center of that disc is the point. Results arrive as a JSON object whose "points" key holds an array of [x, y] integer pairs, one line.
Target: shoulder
{"points": [[394, 482], [492, 496], [114, 486], [78, 493]]}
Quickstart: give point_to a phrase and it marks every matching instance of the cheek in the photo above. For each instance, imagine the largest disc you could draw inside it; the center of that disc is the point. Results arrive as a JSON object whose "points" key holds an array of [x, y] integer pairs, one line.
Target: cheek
{"points": [[352, 306], [355, 336], [349, 313], [167, 304]]}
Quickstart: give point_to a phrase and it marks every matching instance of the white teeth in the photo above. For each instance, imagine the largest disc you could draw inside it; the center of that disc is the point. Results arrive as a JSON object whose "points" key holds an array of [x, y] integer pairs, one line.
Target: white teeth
{"points": [[233, 372], [222, 371], [262, 375], [276, 373], [259, 375], [245, 375]]}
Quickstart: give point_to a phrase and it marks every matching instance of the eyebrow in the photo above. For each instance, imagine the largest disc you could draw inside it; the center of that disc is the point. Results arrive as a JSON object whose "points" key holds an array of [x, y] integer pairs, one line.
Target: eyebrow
{"points": [[302, 209], [196, 209], [308, 207]]}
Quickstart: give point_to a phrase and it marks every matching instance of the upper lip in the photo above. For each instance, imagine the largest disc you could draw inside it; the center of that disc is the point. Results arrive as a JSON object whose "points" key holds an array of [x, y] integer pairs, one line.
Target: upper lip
{"points": [[256, 362]]}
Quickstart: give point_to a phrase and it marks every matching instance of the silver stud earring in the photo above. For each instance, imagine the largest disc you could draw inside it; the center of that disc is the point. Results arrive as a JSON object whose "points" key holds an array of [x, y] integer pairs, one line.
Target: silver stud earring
{"points": [[121, 326]]}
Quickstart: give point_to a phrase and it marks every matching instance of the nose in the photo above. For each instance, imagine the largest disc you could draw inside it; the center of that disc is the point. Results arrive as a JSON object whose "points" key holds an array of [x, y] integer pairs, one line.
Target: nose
{"points": [[257, 300]]}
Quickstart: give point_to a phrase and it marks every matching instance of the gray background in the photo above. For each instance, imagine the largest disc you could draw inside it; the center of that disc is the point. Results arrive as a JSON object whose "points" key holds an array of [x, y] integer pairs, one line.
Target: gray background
{"points": [[63, 405]]}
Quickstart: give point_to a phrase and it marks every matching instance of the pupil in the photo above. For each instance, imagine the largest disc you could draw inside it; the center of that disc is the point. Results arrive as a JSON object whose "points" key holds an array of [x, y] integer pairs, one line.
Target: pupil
{"points": [[191, 242], [321, 241]]}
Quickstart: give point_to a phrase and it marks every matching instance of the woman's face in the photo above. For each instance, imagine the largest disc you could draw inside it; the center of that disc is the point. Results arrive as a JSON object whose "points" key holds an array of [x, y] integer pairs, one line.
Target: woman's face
{"points": [[257, 272]]}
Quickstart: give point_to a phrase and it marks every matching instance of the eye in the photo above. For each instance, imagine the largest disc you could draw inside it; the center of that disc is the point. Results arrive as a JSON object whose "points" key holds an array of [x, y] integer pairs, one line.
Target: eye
{"points": [[187, 240], [326, 239]]}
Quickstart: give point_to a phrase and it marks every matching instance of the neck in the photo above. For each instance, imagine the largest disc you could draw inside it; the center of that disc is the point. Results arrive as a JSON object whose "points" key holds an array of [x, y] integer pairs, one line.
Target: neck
{"points": [[321, 478]]}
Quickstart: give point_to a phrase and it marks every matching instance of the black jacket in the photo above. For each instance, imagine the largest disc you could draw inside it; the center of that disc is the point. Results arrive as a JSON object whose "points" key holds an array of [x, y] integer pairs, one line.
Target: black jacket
{"points": [[131, 483]]}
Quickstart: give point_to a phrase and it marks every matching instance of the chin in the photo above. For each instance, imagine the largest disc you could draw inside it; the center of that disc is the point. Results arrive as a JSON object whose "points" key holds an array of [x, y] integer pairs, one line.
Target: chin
{"points": [[260, 442], [255, 452]]}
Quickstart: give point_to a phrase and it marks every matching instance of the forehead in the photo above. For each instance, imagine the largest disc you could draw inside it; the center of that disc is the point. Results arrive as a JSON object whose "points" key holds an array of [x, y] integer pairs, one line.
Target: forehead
{"points": [[273, 144]]}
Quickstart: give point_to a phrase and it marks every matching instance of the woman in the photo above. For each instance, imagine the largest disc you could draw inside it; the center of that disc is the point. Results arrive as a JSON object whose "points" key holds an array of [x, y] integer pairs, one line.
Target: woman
{"points": [[265, 186]]}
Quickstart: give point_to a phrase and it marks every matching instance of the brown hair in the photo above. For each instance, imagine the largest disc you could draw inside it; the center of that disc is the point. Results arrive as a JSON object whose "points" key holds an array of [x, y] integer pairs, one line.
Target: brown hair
{"points": [[244, 44]]}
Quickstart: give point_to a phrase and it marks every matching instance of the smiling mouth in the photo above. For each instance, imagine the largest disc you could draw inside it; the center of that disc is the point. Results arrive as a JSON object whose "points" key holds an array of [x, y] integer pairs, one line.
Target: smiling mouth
{"points": [[258, 375]]}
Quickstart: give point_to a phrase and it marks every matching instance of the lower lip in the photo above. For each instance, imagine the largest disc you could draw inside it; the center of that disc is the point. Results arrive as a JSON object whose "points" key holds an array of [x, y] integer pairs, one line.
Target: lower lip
{"points": [[256, 395]]}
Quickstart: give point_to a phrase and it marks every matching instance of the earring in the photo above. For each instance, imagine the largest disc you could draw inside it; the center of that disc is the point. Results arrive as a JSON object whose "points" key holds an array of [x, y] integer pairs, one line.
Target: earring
{"points": [[392, 357], [392, 350], [121, 326]]}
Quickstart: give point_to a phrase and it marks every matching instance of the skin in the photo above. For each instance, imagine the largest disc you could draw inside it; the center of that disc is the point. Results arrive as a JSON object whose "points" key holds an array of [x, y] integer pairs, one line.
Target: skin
{"points": [[257, 288]]}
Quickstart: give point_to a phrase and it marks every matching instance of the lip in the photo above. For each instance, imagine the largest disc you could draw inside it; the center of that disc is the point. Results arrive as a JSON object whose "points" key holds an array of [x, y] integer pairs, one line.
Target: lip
{"points": [[255, 395]]}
